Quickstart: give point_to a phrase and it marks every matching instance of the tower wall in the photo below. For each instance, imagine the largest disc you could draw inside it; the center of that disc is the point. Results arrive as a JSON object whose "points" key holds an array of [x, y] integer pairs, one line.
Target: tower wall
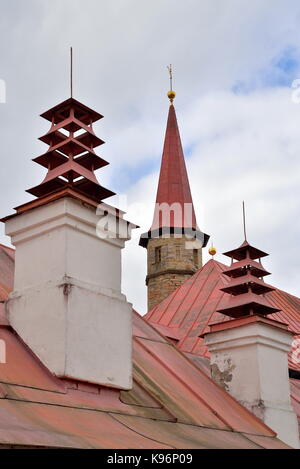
{"points": [[171, 261]]}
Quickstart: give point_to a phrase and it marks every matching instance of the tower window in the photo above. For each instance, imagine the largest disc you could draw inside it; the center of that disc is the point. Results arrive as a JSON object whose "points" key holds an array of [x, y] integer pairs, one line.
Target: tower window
{"points": [[157, 255], [196, 257]]}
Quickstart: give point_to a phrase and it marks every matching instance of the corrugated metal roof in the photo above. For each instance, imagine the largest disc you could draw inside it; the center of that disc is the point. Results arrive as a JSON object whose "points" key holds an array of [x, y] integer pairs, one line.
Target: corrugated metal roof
{"points": [[189, 310], [186, 313], [295, 395], [173, 404]]}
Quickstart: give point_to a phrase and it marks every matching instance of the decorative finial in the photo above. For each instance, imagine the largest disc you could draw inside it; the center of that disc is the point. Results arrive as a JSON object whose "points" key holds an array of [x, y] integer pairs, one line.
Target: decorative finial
{"points": [[244, 221], [71, 71], [171, 94], [212, 250]]}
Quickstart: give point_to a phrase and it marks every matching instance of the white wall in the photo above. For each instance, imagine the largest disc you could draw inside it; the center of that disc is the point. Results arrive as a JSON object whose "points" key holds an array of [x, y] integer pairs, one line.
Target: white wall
{"points": [[67, 303]]}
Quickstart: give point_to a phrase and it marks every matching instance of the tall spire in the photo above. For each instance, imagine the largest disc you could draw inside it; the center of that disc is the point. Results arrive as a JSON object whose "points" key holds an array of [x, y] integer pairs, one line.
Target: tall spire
{"points": [[174, 242], [173, 186]]}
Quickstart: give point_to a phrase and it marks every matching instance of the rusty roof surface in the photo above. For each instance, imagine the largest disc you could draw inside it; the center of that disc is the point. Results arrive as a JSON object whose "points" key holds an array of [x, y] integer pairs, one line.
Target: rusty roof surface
{"points": [[187, 312], [173, 404], [295, 395]]}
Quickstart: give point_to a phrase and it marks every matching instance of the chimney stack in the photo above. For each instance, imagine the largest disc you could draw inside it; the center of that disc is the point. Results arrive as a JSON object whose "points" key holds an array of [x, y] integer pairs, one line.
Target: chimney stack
{"points": [[249, 353], [67, 303]]}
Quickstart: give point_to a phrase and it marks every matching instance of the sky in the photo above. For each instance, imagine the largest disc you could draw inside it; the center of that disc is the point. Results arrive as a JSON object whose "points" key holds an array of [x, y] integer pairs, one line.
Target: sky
{"points": [[234, 63]]}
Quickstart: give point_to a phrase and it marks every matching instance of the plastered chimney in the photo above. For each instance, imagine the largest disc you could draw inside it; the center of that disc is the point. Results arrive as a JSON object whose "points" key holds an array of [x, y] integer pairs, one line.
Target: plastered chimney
{"points": [[67, 303], [249, 359], [249, 353]]}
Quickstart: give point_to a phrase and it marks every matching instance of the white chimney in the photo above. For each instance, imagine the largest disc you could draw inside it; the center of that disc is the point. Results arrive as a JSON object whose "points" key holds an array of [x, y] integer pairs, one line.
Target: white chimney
{"points": [[249, 359], [249, 353], [67, 303]]}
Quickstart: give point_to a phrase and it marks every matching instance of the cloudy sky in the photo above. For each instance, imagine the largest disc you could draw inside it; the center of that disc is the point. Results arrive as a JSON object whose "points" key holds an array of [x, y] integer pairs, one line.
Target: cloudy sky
{"points": [[234, 62]]}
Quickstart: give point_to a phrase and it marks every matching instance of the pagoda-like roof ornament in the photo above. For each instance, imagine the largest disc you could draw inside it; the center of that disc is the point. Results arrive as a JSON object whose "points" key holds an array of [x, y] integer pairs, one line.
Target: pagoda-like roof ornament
{"points": [[71, 159], [246, 287]]}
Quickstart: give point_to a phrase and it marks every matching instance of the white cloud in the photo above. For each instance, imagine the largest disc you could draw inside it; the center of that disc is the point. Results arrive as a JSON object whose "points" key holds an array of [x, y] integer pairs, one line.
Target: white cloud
{"points": [[244, 148], [241, 147]]}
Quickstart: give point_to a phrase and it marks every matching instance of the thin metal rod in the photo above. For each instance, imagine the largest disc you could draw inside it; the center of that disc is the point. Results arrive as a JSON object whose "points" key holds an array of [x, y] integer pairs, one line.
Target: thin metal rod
{"points": [[244, 220], [171, 76], [71, 71]]}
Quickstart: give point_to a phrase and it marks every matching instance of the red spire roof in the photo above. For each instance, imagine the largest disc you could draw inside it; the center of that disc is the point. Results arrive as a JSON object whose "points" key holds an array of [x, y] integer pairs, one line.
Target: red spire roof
{"points": [[174, 208], [173, 185]]}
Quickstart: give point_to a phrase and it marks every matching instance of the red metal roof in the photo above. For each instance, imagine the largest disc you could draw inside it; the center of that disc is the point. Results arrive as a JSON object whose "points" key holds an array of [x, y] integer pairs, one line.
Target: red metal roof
{"points": [[189, 310], [295, 395], [186, 314], [173, 404]]}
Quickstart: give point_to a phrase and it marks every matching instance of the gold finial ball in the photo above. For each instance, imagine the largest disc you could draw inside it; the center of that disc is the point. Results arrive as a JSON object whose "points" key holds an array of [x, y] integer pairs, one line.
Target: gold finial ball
{"points": [[171, 95], [212, 251]]}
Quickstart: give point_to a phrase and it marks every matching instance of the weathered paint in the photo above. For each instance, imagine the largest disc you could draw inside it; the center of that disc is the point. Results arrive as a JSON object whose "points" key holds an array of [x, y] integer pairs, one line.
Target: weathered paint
{"points": [[169, 393], [249, 358]]}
